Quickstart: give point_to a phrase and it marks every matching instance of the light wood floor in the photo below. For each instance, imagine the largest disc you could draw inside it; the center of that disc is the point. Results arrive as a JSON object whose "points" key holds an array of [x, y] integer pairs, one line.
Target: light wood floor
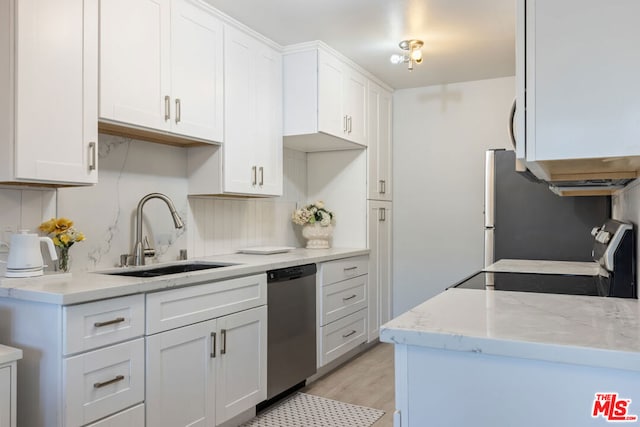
{"points": [[367, 380]]}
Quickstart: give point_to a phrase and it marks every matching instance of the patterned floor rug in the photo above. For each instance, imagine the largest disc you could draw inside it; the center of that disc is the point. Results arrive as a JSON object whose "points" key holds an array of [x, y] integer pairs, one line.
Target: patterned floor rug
{"points": [[307, 410]]}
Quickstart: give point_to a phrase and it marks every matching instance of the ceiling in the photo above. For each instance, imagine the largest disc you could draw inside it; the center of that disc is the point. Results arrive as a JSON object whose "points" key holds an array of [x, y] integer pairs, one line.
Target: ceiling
{"points": [[464, 39]]}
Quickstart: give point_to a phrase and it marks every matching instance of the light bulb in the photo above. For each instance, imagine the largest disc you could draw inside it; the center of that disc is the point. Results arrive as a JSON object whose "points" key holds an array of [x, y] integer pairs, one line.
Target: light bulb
{"points": [[416, 55], [396, 59]]}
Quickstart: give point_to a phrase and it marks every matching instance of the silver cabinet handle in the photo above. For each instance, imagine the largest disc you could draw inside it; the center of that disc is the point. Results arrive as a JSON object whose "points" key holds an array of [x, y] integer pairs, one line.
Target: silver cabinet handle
{"points": [[349, 334], [350, 268], [512, 116], [348, 298], [106, 383], [349, 123], [167, 108], [109, 322], [93, 148], [344, 123], [382, 214], [223, 333], [261, 169], [178, 110], [383, 186], [213, 345], [254, 175]]}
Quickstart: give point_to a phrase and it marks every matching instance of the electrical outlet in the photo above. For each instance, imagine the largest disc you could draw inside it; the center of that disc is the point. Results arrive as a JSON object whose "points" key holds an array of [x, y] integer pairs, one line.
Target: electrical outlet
{"points": [[6, 238]]}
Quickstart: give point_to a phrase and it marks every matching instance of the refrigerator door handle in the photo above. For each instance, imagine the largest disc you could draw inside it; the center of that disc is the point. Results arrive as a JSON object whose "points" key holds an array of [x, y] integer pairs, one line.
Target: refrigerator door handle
{"points": [[489, 189], [488, 246]]}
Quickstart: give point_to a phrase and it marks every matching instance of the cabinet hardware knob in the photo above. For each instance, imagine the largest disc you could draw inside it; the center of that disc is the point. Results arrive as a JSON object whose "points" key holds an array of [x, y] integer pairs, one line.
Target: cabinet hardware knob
{"points": [[349, 334], [109, 322], [167, 108], [106, 383], [223, 350], [93, 148], [213, 345]]}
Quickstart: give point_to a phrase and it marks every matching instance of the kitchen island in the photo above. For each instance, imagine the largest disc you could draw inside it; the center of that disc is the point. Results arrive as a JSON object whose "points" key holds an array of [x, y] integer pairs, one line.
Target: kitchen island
{"points": [[496, 358]]}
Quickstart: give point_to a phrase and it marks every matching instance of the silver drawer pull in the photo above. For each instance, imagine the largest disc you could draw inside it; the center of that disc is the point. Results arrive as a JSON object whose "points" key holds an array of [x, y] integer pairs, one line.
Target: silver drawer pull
{"points": [[109, 322], [223, 350], [350, 268], [213, 345], [349, 334], [348, 298], [106, 383]]}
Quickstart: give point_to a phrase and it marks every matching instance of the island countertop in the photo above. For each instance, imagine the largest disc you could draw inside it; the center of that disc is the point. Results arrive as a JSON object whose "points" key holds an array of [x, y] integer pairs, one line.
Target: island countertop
{"points": [[84, 287], [580, 330]]}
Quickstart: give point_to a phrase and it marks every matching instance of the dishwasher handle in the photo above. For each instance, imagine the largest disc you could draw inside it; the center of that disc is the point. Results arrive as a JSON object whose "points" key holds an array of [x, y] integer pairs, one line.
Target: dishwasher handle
{"points": [[291, 273]]}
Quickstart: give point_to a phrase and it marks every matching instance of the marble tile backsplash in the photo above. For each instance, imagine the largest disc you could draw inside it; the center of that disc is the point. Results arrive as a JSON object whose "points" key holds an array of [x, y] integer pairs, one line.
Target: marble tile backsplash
{"points": [[129, 169]]}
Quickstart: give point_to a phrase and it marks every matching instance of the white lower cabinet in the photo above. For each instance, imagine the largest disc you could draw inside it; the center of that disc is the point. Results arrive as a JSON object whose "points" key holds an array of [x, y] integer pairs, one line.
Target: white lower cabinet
{"points": [[5, 397], [380, 292], [132, 417], [342, 297]]}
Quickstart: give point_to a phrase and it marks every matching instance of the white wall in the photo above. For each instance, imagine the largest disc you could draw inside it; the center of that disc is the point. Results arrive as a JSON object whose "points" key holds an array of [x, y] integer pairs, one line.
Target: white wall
{"points": [[440, 136], [626, 207], [129, 169]]}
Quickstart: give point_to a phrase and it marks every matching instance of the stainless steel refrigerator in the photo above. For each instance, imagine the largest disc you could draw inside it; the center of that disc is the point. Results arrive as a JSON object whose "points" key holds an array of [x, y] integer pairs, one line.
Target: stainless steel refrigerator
{"points": [[525, 220]]}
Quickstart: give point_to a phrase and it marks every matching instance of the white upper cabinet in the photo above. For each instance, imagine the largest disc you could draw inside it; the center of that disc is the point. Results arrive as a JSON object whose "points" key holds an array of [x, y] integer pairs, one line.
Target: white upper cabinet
{"points": [[168, 77], [250, 161], [379, 151], [325, 101], [576, 67], [48, 91]]}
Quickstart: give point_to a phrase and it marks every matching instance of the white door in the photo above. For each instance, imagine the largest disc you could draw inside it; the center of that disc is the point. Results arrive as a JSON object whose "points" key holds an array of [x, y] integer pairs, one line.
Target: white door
{"points": [[331, 115], [355, 105], [379, 143], [240, 163], [56, 90], [380, 300], [268, 139], [181, 376], [242, 362], [135, 63], [196, 72]]}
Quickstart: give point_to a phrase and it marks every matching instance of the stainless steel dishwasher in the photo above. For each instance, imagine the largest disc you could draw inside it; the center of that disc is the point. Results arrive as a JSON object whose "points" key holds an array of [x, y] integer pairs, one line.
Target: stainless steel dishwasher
{"points": [[291, 338]]}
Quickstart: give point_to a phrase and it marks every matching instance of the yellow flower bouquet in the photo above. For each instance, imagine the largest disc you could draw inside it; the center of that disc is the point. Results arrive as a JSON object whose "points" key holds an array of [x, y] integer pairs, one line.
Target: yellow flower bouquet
{"points": [[64, 236]]}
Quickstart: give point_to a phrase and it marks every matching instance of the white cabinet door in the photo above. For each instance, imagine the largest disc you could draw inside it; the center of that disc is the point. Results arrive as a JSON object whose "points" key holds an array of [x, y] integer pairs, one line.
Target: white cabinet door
{"points": [[6, 415], [268, 93], [56, 90], [379, 146], [181, 376], [581, 79], [380, 238], [135, 62], [332, 118], [241, 363], [196, 71], [355, 105], [253, 116]]}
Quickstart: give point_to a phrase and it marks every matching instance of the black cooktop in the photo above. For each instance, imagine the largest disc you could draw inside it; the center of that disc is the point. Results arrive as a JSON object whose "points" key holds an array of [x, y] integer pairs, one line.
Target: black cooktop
{"points": [[531, 282]]}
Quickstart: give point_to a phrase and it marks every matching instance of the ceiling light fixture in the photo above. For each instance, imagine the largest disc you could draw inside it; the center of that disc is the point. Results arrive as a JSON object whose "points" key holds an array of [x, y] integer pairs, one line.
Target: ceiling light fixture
{"points": [[413, 55]]}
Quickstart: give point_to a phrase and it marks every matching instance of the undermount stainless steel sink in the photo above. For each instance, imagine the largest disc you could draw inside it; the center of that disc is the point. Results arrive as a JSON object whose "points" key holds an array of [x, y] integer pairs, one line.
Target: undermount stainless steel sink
{"points": [[168, 269]]}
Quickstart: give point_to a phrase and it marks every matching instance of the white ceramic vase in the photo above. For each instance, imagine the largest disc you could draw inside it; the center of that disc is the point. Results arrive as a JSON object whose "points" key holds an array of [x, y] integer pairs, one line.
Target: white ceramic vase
{"points": [[318, 237]]}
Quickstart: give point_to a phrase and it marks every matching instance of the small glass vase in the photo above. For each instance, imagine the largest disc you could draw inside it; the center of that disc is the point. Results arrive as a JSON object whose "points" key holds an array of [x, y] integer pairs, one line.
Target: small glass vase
{"points": [[64, 263]]}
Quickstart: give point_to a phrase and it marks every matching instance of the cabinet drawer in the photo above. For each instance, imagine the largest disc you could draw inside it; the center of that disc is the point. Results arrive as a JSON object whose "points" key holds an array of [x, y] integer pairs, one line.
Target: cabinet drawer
{"points": [[103, 382], [342, 269], [132, 417], [343, 298], [343, 335], [180, 307], [101, 323]]}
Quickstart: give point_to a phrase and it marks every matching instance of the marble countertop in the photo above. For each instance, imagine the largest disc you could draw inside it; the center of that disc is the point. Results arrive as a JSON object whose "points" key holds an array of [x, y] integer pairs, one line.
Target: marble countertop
{"points": [[9, 354], [581, 330], [84, 287], [545, 267]]}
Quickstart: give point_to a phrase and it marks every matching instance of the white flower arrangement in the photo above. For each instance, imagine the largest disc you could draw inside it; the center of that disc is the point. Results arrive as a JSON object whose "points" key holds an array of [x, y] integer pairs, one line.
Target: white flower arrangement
{"points": [[315, 212]]}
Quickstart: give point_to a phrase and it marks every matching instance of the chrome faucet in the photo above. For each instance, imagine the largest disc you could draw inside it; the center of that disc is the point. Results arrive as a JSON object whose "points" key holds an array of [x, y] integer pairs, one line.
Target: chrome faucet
{"points": [[138, 248]]}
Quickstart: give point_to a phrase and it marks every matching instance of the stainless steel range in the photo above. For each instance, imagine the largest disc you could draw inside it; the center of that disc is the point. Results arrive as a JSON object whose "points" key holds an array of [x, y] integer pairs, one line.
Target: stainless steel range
{"points": [[613, 249]]}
